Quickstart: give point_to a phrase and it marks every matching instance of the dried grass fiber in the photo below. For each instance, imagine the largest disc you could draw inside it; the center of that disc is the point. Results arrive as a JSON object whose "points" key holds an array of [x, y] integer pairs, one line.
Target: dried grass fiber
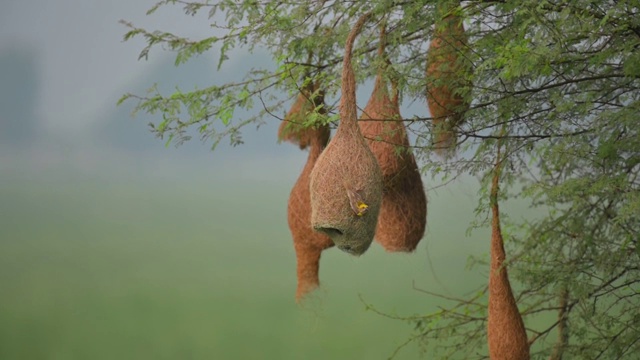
{"points": [[346, 183]]}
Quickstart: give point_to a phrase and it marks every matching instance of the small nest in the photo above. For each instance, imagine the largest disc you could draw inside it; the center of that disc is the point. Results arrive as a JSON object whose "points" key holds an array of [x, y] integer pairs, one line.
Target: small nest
{"points": [[346, 183], [446, 75], [506, 334]]}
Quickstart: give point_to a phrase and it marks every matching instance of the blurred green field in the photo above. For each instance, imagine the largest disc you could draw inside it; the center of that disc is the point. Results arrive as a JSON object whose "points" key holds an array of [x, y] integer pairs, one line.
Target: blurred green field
{"points": [[95, 268]]}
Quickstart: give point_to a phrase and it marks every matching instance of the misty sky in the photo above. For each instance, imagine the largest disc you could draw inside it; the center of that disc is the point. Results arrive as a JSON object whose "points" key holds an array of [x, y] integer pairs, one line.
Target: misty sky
{"points": [[77, 66], [84, 65], [69, 60]]}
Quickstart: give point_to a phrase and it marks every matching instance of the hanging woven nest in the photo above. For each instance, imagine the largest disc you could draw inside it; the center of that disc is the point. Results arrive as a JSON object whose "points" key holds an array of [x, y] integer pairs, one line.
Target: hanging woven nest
{"points": [[403, 215], [346, 183], [447, 75], [506, 334], [308, 243]]}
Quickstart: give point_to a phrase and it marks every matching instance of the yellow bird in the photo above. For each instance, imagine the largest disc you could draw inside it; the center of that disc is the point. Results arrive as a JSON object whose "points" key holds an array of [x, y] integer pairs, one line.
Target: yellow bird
{"points": [[357, 203]]}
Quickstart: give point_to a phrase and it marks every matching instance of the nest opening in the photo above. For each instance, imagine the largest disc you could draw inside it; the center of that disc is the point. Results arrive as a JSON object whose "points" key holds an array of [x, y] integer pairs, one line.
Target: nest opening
{"points": [[329, 231]]}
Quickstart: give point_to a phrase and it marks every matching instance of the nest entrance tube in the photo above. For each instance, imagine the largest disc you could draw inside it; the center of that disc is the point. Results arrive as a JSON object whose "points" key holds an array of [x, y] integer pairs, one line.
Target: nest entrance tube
{"points": [[308, 244], [403, 214], [346, 182]]}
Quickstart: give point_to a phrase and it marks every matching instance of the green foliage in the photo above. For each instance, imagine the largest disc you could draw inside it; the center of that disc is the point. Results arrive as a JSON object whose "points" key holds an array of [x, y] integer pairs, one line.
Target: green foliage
{"points": [[560, 78]]}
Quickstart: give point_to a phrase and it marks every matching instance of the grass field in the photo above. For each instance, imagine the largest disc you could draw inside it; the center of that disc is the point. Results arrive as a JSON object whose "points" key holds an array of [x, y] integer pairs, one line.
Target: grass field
{"points": [[150, 268]]}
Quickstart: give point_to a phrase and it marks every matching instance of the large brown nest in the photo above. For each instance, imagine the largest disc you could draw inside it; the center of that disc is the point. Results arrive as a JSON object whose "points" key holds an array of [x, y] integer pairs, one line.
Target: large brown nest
{"points": [[403, 215], [447, 74], [346, 183]]}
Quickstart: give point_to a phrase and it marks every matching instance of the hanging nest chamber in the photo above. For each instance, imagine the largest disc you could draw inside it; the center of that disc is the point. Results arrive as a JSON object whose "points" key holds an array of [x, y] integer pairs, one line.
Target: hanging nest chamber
{"points": [[506, 334], [308, 244], [403, 214], [346, 182], [447, 74]]}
